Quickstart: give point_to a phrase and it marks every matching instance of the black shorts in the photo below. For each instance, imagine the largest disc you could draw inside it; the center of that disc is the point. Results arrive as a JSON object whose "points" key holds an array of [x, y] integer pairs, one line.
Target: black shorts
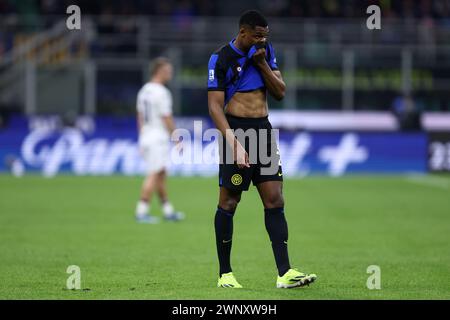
{"points": [[260, 144]]}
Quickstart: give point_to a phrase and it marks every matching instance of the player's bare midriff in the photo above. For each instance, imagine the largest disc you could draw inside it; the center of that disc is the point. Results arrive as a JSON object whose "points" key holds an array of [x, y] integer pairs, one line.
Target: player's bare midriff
{"points": [[251, 104]]}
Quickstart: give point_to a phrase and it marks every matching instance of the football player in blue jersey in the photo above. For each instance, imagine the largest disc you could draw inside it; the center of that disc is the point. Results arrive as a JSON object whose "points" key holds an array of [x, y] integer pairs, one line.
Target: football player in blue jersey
{"points": [[240, 75]]}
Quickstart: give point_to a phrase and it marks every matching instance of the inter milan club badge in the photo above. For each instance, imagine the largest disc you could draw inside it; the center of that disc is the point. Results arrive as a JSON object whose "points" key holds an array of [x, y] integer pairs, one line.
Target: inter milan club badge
{"points": [[236, 179]]}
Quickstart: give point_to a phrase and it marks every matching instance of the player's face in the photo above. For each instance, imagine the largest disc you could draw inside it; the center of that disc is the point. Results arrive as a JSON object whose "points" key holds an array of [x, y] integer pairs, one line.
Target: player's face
{"points": [[252, 36], [167, 71]]}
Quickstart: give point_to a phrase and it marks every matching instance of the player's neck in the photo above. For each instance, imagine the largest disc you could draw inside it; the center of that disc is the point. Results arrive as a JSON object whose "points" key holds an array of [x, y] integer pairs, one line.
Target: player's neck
{"points": [[157, 80], [238, 44]]}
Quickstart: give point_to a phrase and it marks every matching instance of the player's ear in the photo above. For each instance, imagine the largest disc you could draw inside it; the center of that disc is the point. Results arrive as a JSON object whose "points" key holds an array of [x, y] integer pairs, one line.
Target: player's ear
{"points": [[245, 30]]}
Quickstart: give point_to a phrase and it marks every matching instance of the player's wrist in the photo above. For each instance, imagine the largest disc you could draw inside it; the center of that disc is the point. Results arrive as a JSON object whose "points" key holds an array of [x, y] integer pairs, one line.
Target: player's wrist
{"points": [[230, 137], [263, 65]]}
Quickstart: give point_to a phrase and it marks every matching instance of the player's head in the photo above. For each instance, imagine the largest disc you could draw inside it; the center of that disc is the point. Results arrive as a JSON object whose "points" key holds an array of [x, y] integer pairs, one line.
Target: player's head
{"points": [[161, 70], [253, 28]]}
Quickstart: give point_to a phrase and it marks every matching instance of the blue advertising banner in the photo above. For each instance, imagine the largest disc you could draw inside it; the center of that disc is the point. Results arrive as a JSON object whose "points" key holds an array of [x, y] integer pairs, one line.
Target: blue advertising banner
{"points": [[104, 146]]}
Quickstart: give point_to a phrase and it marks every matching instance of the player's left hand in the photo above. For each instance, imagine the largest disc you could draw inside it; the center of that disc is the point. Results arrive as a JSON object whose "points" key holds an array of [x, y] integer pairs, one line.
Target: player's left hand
{"points": [[260, 57], [179, 145], [258, 53]]}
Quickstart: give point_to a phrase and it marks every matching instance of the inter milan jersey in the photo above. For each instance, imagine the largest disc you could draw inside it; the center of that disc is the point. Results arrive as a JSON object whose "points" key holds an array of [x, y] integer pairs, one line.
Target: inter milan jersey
{"points": [[231, 71]]}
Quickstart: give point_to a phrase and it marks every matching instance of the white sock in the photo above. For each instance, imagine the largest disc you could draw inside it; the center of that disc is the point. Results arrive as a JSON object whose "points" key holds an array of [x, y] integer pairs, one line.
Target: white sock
{"points": [[167, 208], [142, 208]]}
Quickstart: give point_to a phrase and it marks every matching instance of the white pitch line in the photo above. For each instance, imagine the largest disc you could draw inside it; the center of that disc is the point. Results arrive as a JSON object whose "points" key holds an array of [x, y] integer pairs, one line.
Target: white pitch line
{"points": [[428, 181]]}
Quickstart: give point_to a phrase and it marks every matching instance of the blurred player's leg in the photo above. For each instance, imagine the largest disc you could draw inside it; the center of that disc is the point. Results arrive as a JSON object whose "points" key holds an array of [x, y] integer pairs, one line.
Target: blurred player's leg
{"points": [[143, 206], [154, 155], [162, 188], [167, 208]]}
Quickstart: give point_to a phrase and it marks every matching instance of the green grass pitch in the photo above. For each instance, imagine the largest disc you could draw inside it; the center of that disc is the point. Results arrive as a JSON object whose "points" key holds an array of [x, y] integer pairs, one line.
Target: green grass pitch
{"points": [[337, 228]]}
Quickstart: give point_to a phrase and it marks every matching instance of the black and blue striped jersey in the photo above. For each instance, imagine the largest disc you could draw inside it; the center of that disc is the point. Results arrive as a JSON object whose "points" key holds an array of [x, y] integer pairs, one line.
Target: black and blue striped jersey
{"points": [[231, 71]]}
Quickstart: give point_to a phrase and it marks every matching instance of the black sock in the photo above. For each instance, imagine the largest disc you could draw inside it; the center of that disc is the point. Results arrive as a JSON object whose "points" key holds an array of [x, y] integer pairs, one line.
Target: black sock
{"points": [[223, 224], [277, 229]]}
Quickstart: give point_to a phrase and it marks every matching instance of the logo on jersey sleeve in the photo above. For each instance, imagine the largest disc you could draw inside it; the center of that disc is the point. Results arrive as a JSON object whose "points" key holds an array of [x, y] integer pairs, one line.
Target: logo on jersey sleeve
{"points": [[211, 74]]}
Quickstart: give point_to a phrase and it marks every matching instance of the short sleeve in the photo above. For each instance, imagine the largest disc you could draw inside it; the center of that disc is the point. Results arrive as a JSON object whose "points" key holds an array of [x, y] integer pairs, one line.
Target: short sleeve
{"points": [[216, 74], [272, 58]]}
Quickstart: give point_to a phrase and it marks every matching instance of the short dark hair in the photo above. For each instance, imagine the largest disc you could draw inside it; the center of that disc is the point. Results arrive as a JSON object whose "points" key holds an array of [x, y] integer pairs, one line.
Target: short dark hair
{"points": [[157, 63], [253, 18]]}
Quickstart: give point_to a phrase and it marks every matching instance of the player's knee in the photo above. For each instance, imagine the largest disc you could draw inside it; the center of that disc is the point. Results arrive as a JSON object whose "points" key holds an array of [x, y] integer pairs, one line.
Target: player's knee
{"points": [[274, 200], [230, 203]]}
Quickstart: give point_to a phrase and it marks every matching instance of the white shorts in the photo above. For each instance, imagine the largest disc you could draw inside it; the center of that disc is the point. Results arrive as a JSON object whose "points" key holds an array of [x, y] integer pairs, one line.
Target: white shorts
{"points": [[155, 149]]}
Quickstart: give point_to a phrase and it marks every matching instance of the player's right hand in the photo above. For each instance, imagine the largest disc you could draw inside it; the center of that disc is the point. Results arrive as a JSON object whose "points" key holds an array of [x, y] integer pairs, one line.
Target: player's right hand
{"points": [[241, 156]]}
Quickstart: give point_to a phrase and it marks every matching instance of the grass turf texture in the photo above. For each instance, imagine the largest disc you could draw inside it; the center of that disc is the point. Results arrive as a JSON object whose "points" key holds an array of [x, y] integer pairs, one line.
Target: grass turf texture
{"points": [[337, 228]]}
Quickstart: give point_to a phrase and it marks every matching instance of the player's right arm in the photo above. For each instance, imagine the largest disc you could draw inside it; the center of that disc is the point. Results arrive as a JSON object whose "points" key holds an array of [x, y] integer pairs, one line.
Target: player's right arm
{"points": [[216, 103], [215, 106], [139, 113], [140, 122]]}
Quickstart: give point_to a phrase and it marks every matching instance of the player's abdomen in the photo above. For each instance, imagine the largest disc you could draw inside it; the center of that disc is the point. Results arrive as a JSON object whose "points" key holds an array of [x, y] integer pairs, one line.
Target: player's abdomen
{"points": [[251, 104]]}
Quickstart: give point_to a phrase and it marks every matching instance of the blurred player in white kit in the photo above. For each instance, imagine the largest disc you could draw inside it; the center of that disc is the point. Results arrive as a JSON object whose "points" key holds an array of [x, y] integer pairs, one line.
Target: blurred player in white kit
{"points": [[156, 124]]}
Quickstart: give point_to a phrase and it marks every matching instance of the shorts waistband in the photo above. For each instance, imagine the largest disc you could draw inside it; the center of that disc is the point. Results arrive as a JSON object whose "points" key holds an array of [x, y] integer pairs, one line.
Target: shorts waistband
{"points": [[247, 120]]}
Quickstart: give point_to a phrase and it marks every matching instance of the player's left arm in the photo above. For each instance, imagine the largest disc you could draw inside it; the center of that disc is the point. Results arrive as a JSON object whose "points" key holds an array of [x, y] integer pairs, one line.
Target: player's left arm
{"points": [[167, 118], [272, 78], [169, 123]]}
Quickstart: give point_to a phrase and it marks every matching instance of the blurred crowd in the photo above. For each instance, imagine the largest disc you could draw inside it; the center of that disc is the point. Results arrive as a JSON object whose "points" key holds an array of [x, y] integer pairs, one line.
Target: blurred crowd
{"points": [[27, 14], [435, 9], [427, 24]]}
